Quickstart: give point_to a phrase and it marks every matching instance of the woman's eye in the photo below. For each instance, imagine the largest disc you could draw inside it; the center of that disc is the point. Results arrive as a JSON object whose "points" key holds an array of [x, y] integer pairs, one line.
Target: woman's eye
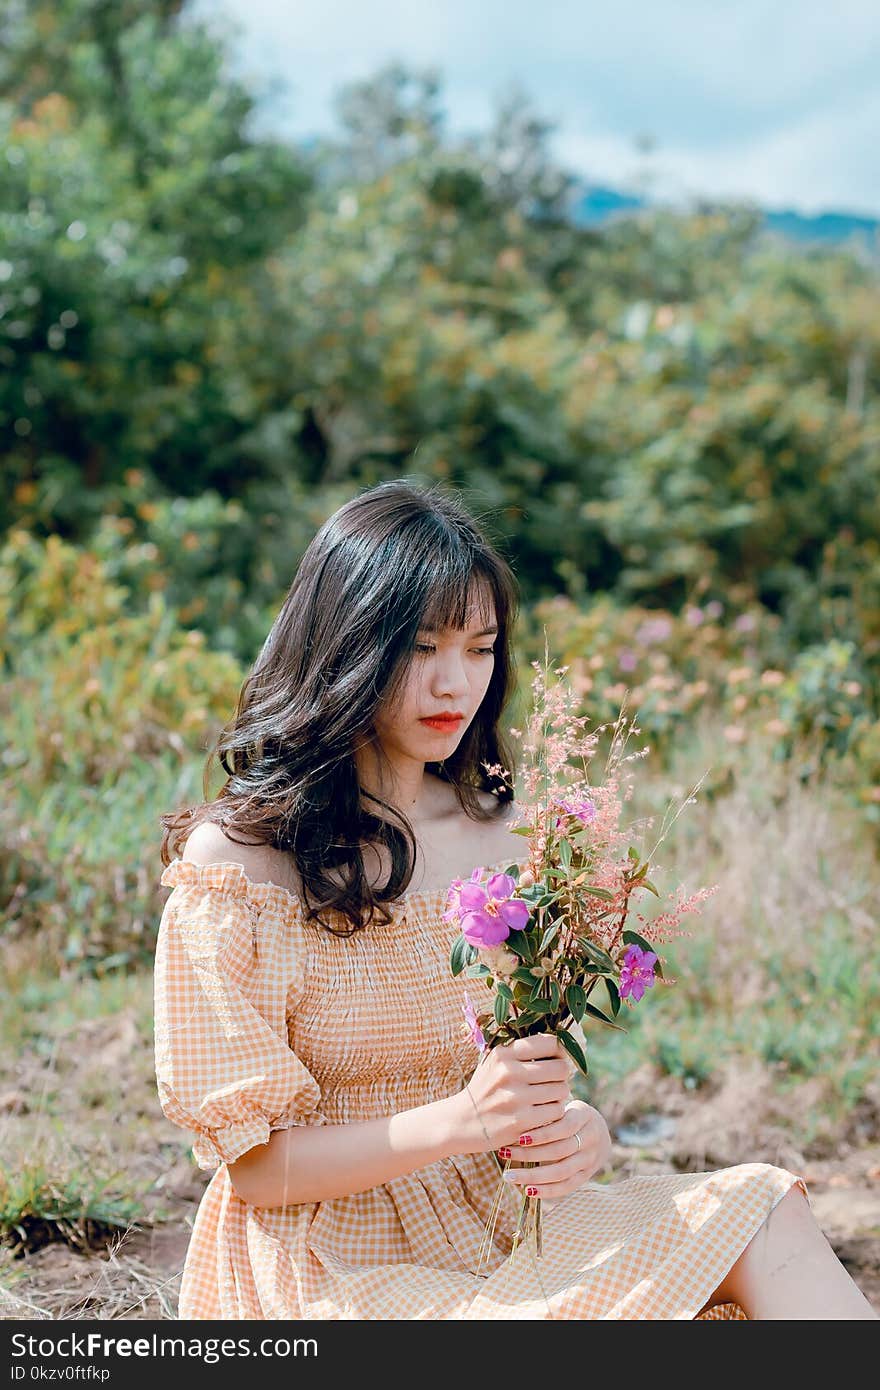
{"points": [[483, 651]]}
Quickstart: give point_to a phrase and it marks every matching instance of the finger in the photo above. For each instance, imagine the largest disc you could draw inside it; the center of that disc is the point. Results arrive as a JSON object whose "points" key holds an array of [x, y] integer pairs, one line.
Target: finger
{"points": [[546, 1110], [589, 1154], [544, 1069], [537, 1045], [539, 1117], [558, 1140], [550, 1178], [554, 1191], [544, 1091]]}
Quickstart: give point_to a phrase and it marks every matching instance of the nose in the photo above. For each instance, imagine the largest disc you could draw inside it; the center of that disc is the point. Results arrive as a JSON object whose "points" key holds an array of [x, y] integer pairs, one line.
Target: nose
{"points": [[450, 679]]}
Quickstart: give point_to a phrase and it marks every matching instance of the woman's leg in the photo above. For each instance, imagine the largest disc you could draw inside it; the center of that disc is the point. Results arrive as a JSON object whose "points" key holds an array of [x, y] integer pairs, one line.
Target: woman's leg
{"points": [[789, 1271]]}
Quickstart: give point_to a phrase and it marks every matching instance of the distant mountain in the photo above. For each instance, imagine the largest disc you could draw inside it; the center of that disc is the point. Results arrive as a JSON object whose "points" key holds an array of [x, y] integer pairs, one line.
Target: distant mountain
{"points": [[827, 227], [596, 204]]}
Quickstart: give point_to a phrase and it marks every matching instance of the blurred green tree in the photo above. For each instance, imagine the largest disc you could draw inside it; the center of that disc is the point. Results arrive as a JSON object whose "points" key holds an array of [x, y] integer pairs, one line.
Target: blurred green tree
{"points": [[192, 316], [135, 213]]}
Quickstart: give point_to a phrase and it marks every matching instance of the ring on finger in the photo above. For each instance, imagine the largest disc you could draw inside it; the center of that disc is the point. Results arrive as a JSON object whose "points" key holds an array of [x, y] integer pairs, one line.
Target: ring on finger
{"points": [[578, 1138]]}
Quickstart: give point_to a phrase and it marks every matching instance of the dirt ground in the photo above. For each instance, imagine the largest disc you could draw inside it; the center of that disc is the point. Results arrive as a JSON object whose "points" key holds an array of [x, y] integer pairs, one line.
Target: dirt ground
{"points": [[657, 1124]]}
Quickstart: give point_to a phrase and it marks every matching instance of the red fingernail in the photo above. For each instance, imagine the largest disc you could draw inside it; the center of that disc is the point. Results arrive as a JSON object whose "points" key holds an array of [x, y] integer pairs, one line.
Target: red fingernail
{"points": [[531, 1192], [504, 1153], [524, 1139]]}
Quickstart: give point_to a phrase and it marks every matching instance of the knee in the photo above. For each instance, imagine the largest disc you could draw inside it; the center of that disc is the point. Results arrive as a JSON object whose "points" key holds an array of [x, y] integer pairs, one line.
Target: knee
{"points": [[795, 1205], [775, 1177]]}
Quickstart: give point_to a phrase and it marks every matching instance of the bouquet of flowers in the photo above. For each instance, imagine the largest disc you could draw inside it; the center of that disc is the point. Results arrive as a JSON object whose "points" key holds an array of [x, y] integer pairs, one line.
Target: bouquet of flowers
{"points": [[549, 946]]}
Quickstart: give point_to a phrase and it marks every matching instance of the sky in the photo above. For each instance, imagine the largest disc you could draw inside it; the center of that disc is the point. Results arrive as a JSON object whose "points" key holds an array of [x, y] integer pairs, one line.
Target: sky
{"points": [[775, 102]]}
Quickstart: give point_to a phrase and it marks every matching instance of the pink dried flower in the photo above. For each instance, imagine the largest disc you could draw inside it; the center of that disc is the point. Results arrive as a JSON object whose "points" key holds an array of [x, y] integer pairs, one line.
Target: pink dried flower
{"points": [[473, 1024]]}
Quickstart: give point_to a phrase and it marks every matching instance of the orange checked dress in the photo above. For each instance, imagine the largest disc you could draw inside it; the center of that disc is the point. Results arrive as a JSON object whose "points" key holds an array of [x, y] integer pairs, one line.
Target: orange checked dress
{"points": [[264, 1020]]}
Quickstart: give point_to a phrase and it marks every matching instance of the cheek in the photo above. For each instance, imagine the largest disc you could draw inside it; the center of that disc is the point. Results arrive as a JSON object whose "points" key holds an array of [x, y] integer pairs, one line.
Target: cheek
{"points": [[482, 678], [409, 701]]}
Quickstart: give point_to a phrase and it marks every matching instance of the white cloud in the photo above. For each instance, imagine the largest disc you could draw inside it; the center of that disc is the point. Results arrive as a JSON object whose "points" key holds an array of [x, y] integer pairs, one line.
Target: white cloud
{"points": [[816, 164], [778, 103]]}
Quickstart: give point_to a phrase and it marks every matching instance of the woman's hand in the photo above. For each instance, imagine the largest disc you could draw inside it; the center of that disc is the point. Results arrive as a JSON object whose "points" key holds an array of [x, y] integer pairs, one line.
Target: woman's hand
{"points": [[520, 1088], [564, 1164]]}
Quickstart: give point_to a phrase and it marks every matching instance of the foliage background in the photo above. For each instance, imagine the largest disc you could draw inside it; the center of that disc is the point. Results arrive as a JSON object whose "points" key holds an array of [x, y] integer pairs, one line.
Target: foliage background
{"points": [[209, 340]]}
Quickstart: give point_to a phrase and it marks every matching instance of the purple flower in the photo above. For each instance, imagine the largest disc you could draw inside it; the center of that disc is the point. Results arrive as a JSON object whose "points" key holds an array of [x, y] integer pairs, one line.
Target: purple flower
{"points": [[653, 630], [580, 806], [488, 912], [453, 907], [473, 1026], [636, 972], [627, 659]]}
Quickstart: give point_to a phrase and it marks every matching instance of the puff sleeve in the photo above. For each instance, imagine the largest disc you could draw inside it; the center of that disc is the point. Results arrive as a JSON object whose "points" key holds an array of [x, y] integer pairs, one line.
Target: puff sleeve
{"points": [[225, 978]]}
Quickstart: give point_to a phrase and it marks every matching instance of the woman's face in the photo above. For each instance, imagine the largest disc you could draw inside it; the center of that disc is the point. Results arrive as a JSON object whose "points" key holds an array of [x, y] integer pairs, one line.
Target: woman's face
{"points": [[449, 673]]}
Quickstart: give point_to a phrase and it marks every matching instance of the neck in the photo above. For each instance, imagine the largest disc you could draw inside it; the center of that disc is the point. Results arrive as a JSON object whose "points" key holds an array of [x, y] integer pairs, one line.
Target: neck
{"points": [[401, 781]]}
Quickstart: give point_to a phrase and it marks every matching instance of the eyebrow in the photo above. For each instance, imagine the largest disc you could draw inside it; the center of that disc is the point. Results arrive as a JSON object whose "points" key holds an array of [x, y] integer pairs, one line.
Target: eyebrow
{"points": [[484, 632]]}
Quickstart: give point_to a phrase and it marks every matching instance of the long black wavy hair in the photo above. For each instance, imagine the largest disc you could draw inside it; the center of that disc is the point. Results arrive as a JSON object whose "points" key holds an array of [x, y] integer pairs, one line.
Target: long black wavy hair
{"points": [[396, 558]]}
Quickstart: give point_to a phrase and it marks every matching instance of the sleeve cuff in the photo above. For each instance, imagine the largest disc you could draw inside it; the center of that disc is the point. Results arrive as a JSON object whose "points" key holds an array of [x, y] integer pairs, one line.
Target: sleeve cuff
{"points": [[224, 1145], [228, 1142]]}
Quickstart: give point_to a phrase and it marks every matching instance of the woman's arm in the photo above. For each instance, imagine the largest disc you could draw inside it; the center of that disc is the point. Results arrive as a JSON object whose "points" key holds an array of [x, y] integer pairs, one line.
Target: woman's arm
{"points": [[515, 1090], [311, 1163]]}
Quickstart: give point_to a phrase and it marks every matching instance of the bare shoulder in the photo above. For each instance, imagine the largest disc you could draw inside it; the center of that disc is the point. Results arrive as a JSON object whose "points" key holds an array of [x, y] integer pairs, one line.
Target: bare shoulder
{"points": [[500, 839], [209, 844]]}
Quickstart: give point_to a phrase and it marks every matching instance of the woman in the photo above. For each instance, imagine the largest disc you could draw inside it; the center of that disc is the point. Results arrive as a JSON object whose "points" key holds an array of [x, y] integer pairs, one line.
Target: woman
{"points": [[309, 1030]]}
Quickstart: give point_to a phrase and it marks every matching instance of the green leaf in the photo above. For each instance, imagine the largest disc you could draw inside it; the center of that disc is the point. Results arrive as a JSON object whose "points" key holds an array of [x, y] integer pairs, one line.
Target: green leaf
{"points": [[504, 990], [550, 935], [595, 954], [576, 1001], [460, 954], [633, 854], [478, 971], [523, 974], [501, 1008], [555, 995], [613, 996], [540, 1006], [565, 854], [598, 892], [574, 1050], [597, 1013], [650, 887], [518, 942]]}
